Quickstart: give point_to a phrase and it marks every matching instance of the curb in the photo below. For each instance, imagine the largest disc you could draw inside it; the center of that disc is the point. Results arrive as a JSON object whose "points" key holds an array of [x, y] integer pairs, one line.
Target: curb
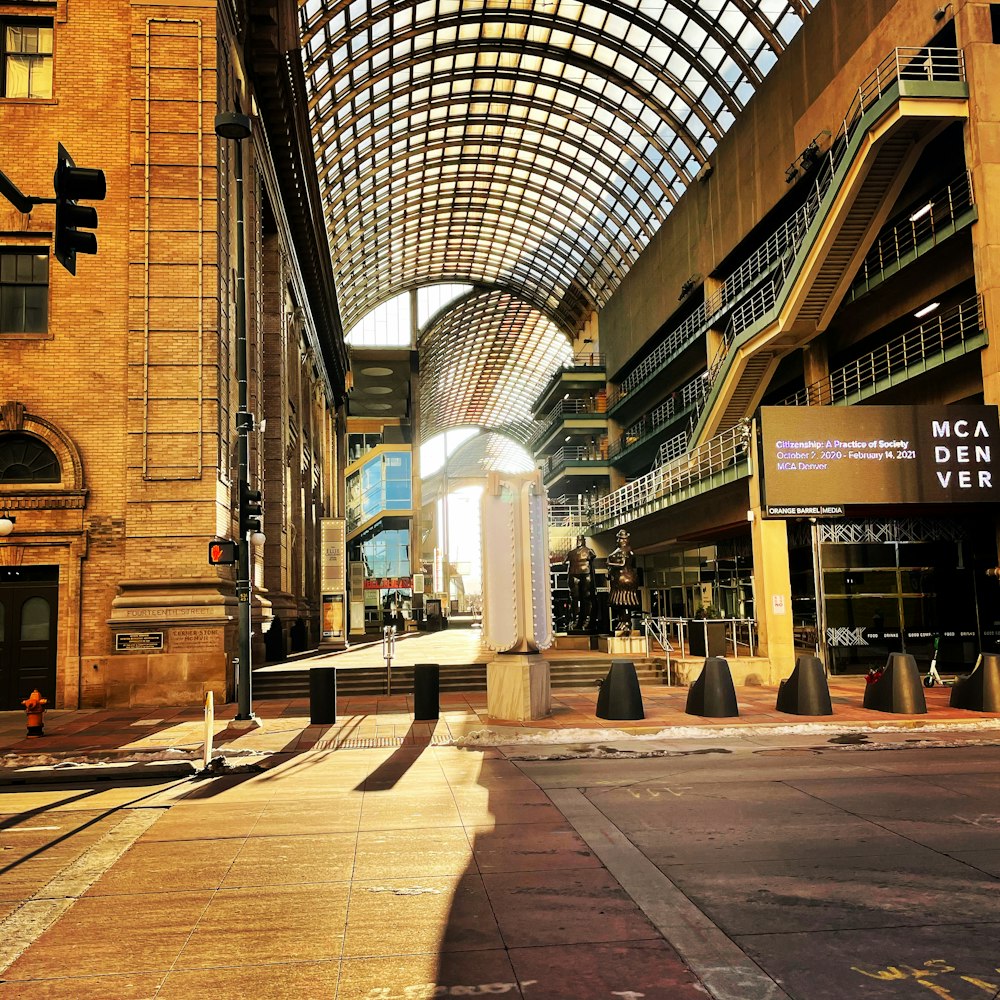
{"points": [[88, 773]]}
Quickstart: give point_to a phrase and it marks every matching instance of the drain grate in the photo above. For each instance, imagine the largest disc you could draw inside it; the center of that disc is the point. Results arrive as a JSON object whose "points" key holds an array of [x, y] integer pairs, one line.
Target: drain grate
{"points": [[377, 742]]}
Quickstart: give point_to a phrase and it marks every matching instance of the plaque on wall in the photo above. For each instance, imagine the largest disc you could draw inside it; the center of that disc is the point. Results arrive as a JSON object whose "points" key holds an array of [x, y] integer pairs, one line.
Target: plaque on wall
{"points": [[138, 642], [197, 640]]}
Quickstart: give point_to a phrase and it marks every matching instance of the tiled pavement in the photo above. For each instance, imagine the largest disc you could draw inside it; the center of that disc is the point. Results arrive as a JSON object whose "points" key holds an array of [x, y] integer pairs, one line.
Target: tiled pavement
{"points": [[396, 868], [411, 873], [367, 722]]}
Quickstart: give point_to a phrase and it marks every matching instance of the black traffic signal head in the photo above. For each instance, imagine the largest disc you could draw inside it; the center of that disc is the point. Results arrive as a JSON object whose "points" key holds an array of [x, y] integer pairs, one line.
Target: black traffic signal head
{"points": [[222, 552], [73, 183], [251, 510]]}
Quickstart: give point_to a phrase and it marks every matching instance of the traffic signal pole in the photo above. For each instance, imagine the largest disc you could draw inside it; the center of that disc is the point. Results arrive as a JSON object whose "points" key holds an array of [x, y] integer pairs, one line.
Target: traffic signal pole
{"points": [[244, 423]]}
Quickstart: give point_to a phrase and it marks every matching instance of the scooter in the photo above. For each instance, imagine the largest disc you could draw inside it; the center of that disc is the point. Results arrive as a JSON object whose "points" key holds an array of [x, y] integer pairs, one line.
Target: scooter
{"points": [[933, 677]]}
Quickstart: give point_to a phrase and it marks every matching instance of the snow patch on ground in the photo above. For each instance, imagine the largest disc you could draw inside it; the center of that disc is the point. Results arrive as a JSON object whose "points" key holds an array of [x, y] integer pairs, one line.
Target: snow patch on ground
{"points": [[556, 737], [48, 761]]}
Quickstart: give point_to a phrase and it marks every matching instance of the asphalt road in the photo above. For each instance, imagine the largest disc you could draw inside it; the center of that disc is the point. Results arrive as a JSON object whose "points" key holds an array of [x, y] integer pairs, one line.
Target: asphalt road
{"points": [[802, 866], [859, 870]]}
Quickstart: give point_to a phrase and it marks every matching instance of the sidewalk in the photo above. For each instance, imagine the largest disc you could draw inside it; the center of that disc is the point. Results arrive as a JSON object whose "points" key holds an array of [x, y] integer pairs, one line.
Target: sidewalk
{"points": [[371, 722], [410, 871]]}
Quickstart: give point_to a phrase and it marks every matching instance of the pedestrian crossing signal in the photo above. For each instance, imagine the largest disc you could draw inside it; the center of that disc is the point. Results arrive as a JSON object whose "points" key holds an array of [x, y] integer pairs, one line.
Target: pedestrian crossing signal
{"points": [[222, 552]]}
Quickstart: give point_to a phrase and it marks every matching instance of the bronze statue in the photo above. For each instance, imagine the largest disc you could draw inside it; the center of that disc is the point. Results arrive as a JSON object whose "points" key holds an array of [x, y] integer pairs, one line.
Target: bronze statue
{"points": [[580, 566], [623, 579]]}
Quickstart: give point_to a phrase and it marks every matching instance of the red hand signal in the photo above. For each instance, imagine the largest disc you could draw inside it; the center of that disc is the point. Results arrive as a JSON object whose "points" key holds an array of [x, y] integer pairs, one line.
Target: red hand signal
{"points": [[222, 552]]}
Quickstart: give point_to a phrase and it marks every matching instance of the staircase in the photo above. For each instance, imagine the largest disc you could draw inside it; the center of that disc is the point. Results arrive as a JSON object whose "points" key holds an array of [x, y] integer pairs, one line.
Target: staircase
{"points": [[866, 168], [293, 682]]}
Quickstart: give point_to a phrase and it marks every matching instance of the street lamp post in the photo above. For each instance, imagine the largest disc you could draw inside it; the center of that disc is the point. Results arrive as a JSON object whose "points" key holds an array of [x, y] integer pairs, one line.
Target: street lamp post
{"points": [[235, 126]]}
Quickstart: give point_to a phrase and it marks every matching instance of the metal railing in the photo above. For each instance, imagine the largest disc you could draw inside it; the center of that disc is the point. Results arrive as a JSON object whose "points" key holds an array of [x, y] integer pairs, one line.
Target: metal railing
{"points": [[671, 448], [741, 633], [657, 632], [652, 490], [902, 64], [565, 456], [589, 359], [952, 329], [566, 514], [909, 64], [688, 395], [913, 230], [764, 259], [562, 409]]}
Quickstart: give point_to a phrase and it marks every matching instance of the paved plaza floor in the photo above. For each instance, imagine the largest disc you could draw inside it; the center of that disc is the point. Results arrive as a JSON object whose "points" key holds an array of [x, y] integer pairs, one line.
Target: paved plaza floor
{"points": [[758, 858]]}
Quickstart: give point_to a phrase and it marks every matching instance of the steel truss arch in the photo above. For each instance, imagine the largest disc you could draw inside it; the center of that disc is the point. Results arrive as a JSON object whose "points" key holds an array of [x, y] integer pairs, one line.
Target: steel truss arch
{"points": [[534, 19], [522, 48], [570, 197], [485, 361], [512, 74], [530, 148]]}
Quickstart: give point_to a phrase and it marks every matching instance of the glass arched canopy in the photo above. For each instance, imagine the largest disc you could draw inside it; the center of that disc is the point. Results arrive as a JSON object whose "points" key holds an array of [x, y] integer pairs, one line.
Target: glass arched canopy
{"points": [[472, 454], [484, 362], [533, 146]]}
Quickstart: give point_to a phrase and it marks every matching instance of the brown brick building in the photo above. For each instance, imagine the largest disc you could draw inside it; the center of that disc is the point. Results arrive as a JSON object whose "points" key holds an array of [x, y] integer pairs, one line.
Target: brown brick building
{"points": [[117, 447]]}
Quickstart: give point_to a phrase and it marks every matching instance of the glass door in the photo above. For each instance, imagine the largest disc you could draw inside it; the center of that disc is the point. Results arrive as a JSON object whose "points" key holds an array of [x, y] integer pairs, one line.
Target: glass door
{"points": [[28, 606]]}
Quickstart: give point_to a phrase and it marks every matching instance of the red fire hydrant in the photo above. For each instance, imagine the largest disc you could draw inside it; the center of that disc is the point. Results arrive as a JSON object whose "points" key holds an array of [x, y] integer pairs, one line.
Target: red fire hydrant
{"points": [[35, 707]]}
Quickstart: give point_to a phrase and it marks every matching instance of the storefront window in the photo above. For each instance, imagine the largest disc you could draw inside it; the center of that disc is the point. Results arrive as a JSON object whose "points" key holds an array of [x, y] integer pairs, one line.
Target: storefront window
{"points": [[900, 597]]}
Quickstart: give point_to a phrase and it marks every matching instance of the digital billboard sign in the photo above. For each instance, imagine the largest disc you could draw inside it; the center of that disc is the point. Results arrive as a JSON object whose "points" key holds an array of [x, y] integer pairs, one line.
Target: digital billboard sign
{"points": [[818, 459]]}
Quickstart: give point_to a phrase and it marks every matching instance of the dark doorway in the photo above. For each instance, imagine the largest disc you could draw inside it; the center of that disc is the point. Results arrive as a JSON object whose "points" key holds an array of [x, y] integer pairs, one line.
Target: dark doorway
{"points": [[28, 614]]}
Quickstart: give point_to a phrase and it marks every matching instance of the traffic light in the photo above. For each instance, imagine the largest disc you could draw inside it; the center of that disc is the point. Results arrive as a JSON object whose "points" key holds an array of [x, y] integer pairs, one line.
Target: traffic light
{"points": [[251, 510], [222, 552], [73, 183]]}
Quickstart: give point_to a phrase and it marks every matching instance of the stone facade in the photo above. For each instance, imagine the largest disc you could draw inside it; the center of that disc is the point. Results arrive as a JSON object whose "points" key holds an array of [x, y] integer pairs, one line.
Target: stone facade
{"points": [[130, 384]]}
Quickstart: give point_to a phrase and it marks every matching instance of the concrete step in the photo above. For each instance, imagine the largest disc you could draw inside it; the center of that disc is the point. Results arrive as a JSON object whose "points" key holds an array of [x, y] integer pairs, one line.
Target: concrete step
{"points": [[294, 682]]}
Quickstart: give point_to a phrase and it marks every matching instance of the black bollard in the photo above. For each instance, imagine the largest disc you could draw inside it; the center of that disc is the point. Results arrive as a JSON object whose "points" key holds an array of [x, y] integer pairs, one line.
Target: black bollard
{"points": [[899, 689], [426, 692], [980, 691], [322, 695], [620, 697], [806, 691], [712, 695]]}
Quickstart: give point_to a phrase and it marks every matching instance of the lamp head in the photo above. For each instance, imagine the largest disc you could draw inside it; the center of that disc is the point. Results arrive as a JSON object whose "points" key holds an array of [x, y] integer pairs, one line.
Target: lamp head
{"points": [[232, 125]]}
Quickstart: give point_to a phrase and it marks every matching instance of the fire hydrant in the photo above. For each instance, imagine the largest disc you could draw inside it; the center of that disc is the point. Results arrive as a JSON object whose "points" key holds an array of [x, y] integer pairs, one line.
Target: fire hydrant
{"points": [[35, 707]]}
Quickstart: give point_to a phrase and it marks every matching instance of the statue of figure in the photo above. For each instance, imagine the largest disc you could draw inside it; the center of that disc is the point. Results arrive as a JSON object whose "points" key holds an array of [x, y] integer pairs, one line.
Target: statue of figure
{"points": [[580, 565], [623, 581]]}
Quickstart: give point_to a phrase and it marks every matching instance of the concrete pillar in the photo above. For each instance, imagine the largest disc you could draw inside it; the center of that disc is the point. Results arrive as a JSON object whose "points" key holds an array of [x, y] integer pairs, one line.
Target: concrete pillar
{"points": [[772, 588], [713, 344], [816, 370], [974, 34]]}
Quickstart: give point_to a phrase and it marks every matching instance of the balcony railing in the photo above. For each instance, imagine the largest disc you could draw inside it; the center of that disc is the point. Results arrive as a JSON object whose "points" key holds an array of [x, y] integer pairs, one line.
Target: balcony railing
{"points": [[921, 348], [573, 456], [564, 514], [656, 489], [915, 231], [590, 359], [764, 259], [901, 65], [664, 414], [671, 448], [562, 409], [778, 258]]}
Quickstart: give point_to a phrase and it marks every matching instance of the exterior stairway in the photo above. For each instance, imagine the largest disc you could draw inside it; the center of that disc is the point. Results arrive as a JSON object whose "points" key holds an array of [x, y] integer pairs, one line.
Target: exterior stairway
{"points": [[867, 167], [294, 682]]}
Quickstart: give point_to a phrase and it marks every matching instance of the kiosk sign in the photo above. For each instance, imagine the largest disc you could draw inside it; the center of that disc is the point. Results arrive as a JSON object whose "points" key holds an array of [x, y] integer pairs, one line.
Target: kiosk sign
{"points": [[820, 458]]}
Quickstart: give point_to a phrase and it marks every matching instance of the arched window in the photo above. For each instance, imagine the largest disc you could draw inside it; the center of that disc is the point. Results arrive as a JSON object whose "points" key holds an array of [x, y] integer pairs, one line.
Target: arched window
{"points": [[27, 459], [36, 615]]}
